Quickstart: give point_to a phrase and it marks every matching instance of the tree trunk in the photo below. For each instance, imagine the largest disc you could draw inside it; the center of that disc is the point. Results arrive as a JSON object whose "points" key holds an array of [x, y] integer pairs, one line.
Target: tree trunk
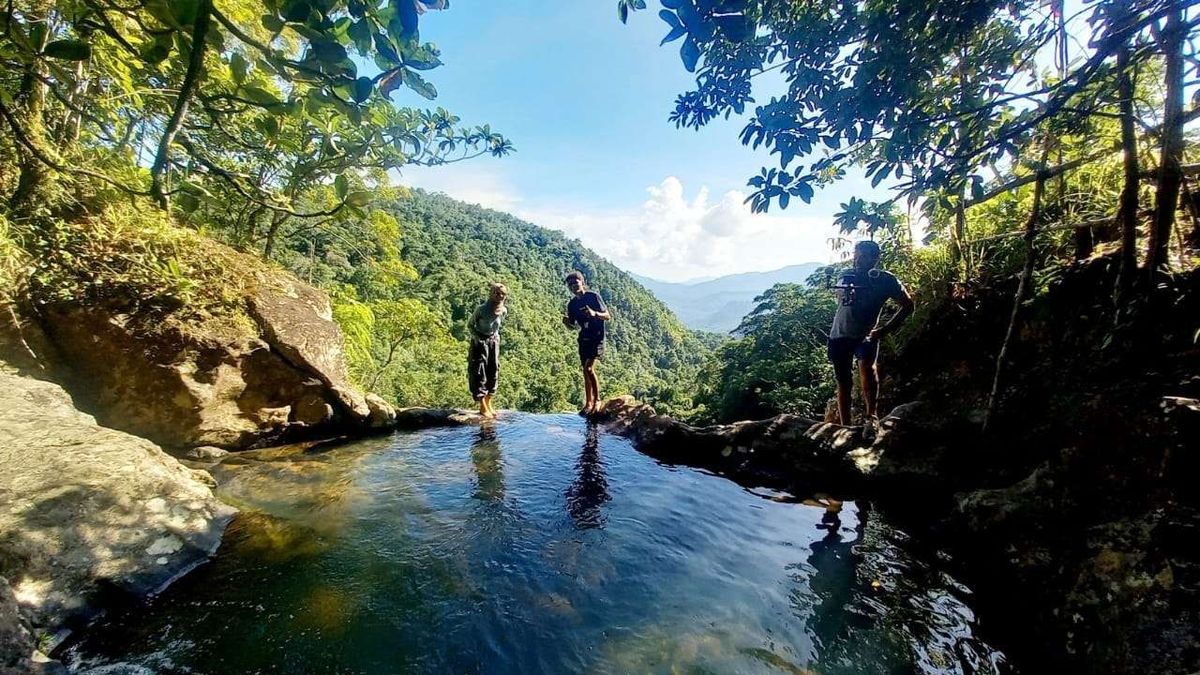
{"points": [[78, 98], [1085, 243], [1189, 198], [1127, 208], [190, 79], [33, 178], [1170, 173], [1035, 215], [958, 250], [277, 219]]}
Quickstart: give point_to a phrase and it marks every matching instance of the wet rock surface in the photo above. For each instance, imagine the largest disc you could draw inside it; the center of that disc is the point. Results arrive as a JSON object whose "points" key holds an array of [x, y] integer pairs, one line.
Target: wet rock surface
{"points": [[789, 449]]}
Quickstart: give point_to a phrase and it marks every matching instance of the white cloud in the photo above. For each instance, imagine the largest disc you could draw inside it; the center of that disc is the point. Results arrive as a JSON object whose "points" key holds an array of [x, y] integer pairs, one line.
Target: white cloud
{"points": [[671, 237], [473, 184], [668, 237]]}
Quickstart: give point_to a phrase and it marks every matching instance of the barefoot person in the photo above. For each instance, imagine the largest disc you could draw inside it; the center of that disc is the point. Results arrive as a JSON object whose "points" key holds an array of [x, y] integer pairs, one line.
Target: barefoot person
{"points": [[483, 358], [587, 313], [861, 292]]}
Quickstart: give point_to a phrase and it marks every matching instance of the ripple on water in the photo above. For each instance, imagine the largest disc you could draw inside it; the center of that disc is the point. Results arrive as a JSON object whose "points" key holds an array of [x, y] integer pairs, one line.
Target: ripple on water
{"points": [[538, 544]]}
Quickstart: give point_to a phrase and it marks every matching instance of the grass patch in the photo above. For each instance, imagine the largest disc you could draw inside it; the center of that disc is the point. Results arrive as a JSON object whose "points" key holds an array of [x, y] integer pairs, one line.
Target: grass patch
{"points": [[137, 262]]}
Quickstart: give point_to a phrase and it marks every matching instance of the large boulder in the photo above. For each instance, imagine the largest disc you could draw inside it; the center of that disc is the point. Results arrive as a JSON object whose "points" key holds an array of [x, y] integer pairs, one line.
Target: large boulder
{"points": [[270, 372], [86, 510], [297, 321]]}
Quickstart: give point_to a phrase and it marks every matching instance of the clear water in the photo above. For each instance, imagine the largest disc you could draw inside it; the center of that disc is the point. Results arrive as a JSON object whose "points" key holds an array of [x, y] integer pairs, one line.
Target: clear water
{"points": [[538, 545]]}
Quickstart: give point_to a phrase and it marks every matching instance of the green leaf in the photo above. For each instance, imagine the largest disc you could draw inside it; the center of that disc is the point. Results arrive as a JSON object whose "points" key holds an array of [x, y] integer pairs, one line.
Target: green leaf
{"points": [[296, 11], [690, 53], [422, 58], [419, 85], [187, 202], [260, 96], [185, 11], [676, 33], [269, 126], [362, 89], [272, 23], [162, 10], [386, 50], [341, 186], [358, 199], [239, 67], [360, 34], [68, 50]]}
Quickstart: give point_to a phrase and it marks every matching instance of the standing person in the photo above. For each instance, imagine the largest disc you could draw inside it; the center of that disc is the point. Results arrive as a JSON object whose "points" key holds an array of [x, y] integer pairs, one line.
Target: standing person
{"points": [[587, 313], [483, 358], [862, 291]]}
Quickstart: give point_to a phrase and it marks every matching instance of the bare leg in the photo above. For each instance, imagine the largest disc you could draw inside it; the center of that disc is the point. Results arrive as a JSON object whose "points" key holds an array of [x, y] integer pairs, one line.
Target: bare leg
{"points": [[483, 408], [843, 401], [869, 375], [591, 387]]}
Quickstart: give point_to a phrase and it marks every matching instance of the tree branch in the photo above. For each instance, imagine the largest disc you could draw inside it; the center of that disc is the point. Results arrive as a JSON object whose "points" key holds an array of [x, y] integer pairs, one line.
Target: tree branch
{"points": [[190, 79], [42, 157]]}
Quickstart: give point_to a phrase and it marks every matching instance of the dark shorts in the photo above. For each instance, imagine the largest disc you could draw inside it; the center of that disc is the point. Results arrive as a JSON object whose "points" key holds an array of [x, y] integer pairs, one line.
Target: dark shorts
{"points": [[842, 351], [590, 349]]}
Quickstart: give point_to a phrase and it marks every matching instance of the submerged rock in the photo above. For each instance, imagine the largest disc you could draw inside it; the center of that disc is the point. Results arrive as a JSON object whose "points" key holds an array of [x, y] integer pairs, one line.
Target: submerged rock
{"points": [[89, 510], [422, 418], [205, 453]]}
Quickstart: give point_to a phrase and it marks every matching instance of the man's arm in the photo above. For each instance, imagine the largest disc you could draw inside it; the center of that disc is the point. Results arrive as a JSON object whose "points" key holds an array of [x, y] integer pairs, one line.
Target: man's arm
{"points": [[906, 309], [601, 313]]}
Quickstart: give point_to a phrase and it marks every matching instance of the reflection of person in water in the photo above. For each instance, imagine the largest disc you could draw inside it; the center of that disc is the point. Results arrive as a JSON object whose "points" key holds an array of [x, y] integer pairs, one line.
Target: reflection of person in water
{"points": [[834, 577], [489, 465], [589, 492]]}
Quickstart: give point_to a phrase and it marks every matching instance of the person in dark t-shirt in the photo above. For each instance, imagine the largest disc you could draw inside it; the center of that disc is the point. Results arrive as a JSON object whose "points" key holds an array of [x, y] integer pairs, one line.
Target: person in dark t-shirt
{"points": [[862, 291], [587, 313]]}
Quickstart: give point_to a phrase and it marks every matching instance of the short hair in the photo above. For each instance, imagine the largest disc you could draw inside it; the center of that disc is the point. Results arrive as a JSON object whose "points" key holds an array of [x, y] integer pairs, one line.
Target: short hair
{"points": [[574, 275], [868, 246], [498, 287]]}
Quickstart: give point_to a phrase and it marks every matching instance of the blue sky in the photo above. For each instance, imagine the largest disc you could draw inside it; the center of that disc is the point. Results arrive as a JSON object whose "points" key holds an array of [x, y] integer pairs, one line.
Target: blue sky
{"points": [[585, 100]]}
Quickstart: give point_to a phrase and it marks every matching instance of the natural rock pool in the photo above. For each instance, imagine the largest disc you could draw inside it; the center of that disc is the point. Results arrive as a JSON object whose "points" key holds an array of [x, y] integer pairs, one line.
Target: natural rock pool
{"points": [[538, 544]]}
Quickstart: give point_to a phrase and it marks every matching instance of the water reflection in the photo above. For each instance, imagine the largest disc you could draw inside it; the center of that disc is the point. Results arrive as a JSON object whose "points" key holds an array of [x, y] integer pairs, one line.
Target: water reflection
{"points": [[440, 552], [872, 607], [589, 491], [837, 620], [489, 465]]}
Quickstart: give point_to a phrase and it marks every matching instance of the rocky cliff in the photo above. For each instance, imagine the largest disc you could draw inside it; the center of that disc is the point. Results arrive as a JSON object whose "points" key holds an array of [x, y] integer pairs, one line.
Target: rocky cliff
{"points": [[265, 366]]}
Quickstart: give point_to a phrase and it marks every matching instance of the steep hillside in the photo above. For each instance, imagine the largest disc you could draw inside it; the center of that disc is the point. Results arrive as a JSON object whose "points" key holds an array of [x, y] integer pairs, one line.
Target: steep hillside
{"points": [[457, 249], [719, 304]]}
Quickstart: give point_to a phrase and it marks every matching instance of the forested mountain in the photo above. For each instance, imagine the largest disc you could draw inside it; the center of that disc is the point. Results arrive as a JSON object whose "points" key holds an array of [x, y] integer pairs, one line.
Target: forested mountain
{"points": [[719, 304], [456, 250]]}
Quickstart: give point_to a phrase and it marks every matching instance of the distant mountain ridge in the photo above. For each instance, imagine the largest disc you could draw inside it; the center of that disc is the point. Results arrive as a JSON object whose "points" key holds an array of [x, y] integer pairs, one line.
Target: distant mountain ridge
{"points": [[719, 304]]}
